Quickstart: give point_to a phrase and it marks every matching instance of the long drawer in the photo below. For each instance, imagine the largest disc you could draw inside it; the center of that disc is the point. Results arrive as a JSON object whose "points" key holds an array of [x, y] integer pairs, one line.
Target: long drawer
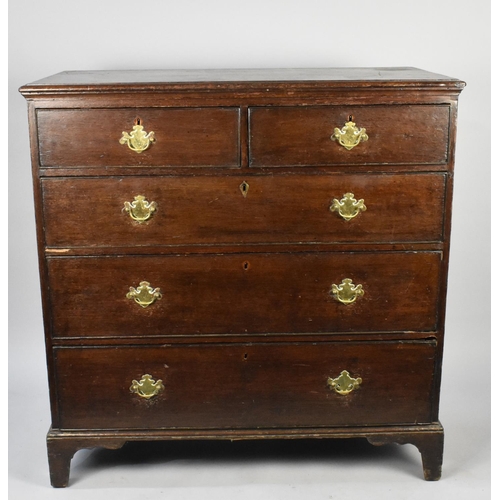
{"points": [[183, 137], [98, 212], [245, 386], [302, 136], [244, 293]]}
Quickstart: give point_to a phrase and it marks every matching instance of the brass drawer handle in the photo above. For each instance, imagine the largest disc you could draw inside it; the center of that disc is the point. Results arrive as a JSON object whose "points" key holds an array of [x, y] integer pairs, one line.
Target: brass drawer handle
{"points": [[344, 383], [346, 292], [138, 139], [140, 209], [349, 135], [144, 294], [348, 207], [146, 387]]}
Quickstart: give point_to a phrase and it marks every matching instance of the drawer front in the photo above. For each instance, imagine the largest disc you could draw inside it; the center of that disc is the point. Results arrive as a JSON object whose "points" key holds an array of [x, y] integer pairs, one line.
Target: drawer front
{"points": [[213, 210], [301, 136], [190, 137], [245, 386], [244, 293]]}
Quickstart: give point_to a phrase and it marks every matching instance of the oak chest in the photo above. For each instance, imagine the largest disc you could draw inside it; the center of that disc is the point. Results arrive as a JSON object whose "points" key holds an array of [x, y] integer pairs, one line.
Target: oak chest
{"points": [[243, 254]]}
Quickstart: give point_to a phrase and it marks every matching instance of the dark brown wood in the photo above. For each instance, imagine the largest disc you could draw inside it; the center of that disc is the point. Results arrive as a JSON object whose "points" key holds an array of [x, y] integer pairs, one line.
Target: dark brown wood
{"points": [[70, 441], [82, 82], [161, 340], [61, 451], [60, 454], [302, 135], [231, 248], [269, 293], [430, 445], [183, 137], [212, 210], [247, 327], [245, 386]]}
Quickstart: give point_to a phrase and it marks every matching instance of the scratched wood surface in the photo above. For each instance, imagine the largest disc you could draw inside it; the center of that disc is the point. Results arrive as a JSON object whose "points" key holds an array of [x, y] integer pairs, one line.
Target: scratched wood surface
{"points": [[246, 386], [194, 210]]}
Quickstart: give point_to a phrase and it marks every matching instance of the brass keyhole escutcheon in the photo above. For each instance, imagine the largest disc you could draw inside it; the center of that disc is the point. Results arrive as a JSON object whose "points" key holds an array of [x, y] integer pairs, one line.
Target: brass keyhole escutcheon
{"points": [[244, 187]]}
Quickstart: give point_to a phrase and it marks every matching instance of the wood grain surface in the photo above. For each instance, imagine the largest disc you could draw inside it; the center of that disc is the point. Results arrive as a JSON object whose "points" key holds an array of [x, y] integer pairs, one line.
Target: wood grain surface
{"points": [[183, 137], [302, 135], [244, 293], [245, 386], [212, 210]]}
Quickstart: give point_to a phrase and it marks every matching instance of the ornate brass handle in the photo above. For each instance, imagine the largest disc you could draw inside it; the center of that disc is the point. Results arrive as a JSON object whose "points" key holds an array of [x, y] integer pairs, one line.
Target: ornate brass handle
{"points": [[138, 139], [348, 207], [349, 135], [144, 294], [140, 209], [146, 387], [344, 383], [346, 292]]}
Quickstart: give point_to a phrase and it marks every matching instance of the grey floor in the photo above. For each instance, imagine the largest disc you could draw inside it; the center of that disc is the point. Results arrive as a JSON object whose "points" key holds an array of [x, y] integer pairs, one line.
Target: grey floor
{"points": [[323, 469]]}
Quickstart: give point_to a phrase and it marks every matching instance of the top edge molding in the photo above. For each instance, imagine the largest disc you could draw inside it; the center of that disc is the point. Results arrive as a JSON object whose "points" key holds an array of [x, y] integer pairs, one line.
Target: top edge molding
{"points": [[320, 79]]}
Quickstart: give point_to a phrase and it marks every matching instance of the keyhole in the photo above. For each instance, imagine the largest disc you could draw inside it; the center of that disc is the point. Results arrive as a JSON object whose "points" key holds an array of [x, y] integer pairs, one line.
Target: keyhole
{"points": [[245, 357], [351, 118], [137, 121], [246, 265], [244, 186]]}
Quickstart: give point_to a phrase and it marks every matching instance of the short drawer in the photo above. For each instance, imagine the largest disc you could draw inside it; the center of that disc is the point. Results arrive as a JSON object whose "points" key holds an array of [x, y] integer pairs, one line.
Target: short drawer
{"points": [[183, 137], [243, 293], [97, 212], [245, 386], [302, 136]]}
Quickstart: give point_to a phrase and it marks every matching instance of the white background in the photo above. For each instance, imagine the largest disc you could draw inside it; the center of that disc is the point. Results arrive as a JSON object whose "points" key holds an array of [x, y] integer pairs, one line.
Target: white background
{"points": [[450, 37]]}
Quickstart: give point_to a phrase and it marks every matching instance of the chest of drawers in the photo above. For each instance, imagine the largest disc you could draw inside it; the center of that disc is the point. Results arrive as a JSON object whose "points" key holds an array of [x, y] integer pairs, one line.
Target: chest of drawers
{"points": [[243, 254]]}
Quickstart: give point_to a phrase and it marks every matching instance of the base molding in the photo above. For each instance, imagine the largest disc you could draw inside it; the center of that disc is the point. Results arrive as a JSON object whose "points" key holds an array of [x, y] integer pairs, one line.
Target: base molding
{"points": [[63, 444]]}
